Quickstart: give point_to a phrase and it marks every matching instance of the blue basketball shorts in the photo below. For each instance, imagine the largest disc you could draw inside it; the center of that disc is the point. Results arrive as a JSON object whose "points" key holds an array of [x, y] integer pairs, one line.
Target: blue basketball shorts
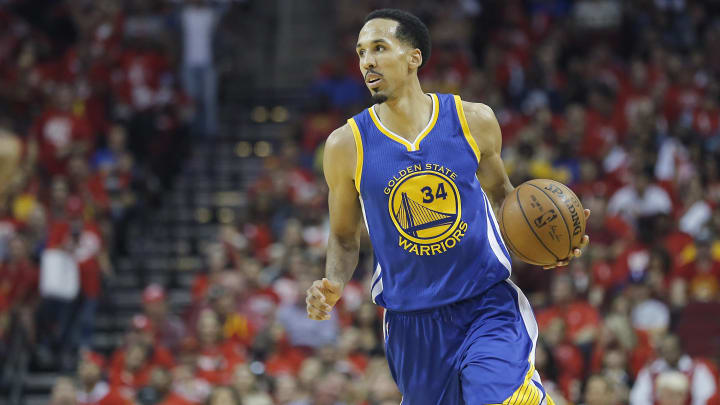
{"points": [[477, 351]]}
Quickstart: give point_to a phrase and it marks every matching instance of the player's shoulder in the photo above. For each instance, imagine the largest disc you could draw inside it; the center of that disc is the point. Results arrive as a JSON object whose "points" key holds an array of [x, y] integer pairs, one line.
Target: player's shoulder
{"points": [[484, 127], [341, 140], [340, 149], [479, 113]]}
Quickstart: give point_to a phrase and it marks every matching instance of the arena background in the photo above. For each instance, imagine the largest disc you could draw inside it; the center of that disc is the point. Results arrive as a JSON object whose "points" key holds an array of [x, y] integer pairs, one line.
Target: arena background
{"points": [[169, 209]]}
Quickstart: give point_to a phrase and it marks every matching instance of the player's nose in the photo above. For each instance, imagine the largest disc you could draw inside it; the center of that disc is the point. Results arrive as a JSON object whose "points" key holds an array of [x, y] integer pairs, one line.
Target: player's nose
{"points": [[367, 62]]}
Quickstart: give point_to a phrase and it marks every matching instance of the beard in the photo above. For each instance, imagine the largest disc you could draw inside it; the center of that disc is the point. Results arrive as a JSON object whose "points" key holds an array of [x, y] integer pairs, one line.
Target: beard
{"points": [[378, 98]]}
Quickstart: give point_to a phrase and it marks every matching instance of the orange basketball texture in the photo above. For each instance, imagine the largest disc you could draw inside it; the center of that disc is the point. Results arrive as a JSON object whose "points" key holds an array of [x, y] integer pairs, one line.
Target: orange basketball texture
{"points": [[542, 221]]}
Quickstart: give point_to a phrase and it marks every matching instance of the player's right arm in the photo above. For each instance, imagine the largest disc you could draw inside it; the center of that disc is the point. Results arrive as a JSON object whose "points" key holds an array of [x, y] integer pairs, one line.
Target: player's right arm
{"points": [[339, 161]]}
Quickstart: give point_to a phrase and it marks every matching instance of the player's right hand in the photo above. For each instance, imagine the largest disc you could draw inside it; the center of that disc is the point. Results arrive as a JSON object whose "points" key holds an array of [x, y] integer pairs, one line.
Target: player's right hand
{"points": [[321, 298]]}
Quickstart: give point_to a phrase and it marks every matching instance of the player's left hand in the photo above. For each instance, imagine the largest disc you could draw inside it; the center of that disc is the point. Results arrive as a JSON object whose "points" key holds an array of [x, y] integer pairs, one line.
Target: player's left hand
{"points": [[577, 252]]}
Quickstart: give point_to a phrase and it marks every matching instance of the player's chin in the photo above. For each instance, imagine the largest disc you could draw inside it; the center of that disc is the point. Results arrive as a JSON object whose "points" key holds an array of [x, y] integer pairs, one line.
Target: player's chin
{"points": [[378, 97]]}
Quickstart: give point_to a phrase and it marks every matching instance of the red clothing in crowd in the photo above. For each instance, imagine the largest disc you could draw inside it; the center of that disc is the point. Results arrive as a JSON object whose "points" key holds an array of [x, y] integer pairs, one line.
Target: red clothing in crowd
{"points": [[102, 394], [139, 78], [176, 399], [55, 132], [18, 282], [601, 133], [159, 356], [87, 255], [576, 316], [215, 364], [128, 382]]}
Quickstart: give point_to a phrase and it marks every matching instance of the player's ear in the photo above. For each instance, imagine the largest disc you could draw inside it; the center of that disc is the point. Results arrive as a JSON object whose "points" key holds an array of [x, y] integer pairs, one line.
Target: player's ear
{"points": [[415, 58]]}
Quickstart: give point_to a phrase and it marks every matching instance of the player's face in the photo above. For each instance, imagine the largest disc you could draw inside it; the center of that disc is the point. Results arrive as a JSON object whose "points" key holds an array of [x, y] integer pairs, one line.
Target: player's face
{"points": [[385, 61]]}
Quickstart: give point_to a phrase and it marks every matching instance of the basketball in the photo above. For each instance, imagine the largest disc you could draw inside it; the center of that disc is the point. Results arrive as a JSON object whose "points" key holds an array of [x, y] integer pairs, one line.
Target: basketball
{"points": [[542, 221]]}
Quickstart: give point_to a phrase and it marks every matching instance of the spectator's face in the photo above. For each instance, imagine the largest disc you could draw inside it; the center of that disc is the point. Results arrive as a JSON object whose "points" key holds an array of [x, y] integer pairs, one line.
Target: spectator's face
{"points": [[243, 380], [310, 371], [386, 58], [64, 98], [63, 392], [285, 389], [208, 327], [160, 379], [135, 357], [615, 359], [59, 190], [327, 390], [216, 260], [670, 349], [88, 373], [222, 396], [597, 392], [155, 309], [562, 290], [78, 168], [117, 138], [667, 396], [18, 249]]}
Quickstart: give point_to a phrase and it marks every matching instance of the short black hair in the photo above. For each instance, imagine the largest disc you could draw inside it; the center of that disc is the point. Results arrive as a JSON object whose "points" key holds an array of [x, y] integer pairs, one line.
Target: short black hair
{"points": [[410, 29]]}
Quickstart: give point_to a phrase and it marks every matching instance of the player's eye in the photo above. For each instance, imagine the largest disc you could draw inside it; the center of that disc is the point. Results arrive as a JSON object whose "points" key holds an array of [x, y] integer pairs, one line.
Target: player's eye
{"points": [[379, 48], [361, 52]]}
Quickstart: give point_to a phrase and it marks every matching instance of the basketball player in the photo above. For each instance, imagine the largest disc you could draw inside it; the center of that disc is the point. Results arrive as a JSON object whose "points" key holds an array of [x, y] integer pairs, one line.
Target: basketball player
{"points": [[424, 171]]}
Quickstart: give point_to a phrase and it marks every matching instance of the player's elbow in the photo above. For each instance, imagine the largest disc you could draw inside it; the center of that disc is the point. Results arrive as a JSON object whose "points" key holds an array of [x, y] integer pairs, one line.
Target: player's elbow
{"points": [[345, 239]]}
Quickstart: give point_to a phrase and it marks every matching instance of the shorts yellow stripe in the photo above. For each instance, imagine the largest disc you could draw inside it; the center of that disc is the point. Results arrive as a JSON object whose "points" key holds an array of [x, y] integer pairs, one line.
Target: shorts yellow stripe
{"points": [[466, 128], [522, 392], [360, 156], [521, 395]]}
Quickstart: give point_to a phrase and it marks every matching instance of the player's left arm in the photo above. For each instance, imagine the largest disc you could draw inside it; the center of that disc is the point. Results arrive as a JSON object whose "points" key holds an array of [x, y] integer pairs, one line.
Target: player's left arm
{"points": [[491, 173]]}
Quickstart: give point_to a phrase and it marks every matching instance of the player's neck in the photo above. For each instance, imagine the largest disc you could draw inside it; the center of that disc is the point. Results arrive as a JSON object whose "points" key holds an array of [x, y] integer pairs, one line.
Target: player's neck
{"points": [[407, 113]]}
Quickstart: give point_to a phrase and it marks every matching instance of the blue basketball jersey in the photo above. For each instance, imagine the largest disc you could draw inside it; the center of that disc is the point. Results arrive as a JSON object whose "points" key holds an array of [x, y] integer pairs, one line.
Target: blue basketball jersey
{"points": [[435, 237]]}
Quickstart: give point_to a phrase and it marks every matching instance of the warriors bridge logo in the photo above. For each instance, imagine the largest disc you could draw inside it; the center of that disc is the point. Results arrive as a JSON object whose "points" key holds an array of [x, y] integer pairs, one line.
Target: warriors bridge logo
{"points": [[425, 207]]}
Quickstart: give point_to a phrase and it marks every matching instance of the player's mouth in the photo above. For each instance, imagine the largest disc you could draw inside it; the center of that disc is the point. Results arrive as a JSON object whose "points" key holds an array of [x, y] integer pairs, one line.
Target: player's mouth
{"points": [[373, 80]]}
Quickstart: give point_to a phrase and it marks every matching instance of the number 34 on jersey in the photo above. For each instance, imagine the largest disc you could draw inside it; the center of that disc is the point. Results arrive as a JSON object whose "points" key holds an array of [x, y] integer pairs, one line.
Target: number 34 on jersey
{"points": [[424, 205]]}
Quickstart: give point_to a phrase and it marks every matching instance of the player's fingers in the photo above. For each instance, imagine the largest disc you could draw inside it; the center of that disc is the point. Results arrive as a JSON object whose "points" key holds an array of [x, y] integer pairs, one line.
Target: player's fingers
{"points": [[316, 294], [316, 314], [577, 252], [587, 213], [317, 304], [584, 242]]}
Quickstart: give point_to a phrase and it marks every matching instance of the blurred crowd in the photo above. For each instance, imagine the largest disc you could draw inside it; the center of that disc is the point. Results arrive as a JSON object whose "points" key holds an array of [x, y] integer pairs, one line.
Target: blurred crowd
{"points": [[90, 92], [617, 99]]}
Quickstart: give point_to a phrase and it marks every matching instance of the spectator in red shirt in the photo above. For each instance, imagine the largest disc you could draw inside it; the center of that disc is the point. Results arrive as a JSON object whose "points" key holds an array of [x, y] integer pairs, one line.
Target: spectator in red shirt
{"points": [[157, 389], [581, 319], [142, 333], [702, 382], [59, 133], [18, 287], [169, 329], [94, 391], [216, 358], [134, 373]]}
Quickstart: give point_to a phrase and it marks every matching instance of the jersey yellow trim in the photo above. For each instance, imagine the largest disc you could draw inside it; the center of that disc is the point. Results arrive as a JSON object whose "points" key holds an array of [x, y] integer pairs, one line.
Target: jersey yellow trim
{"points": [[397, 138], [360, 155], [466, 128]]}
